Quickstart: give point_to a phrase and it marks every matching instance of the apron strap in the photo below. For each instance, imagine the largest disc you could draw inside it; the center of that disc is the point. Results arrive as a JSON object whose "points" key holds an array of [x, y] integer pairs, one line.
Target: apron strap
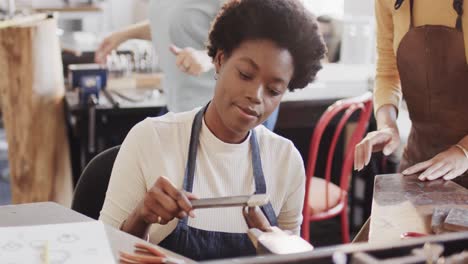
{"points": [[398, 4], [260, 185], [458, 6], [411, 14], [193, 149], [192, 155], [270, 214]]}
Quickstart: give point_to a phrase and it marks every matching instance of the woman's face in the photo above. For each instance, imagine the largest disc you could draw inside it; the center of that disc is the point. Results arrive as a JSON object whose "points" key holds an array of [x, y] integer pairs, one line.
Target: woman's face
{"points": [[251, 83]]}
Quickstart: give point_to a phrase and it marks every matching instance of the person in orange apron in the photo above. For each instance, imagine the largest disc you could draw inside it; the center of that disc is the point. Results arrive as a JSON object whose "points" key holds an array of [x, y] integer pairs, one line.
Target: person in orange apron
{"points": [[432, 65]]}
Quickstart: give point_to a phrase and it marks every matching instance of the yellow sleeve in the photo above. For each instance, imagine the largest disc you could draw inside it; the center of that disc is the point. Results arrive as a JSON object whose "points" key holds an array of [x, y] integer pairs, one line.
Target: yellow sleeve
{"points": [[387, 88]]}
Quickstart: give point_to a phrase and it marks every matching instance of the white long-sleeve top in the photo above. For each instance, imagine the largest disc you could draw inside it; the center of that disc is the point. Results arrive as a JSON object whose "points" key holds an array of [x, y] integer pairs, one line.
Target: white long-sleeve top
{"points": [[159, 147]]}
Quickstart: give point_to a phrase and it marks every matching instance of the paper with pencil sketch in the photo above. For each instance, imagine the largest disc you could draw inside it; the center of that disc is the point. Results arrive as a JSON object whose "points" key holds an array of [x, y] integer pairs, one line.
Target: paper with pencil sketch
{"points": [[71, 243]]}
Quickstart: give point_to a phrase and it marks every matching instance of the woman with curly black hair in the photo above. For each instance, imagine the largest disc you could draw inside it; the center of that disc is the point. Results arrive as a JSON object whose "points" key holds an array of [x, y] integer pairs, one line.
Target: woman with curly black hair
{"points": [[260, 48]]}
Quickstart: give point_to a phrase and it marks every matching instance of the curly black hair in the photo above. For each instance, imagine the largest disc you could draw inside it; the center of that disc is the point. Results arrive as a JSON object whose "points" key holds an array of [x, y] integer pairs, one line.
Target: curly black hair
{"points": [[285, 22]]}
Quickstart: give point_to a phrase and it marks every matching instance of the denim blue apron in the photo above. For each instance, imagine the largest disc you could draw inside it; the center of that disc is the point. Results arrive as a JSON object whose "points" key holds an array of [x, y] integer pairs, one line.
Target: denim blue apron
{"points": [[200, 244]]}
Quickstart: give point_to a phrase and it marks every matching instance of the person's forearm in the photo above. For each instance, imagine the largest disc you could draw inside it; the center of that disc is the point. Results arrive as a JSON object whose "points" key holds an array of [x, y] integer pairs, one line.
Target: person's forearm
{"points": [[386, 116], [137, 31], [464, 142], [135, 225]]}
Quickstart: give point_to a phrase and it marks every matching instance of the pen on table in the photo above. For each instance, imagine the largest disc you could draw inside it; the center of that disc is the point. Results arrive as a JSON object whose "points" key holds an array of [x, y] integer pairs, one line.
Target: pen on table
{"points": [[46, 252], [140, 259]]}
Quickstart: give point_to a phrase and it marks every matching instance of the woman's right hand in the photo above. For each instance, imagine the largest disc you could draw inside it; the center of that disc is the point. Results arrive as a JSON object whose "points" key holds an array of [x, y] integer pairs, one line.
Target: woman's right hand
{"points": [[386, 139], [255, 218], [164, 202], [109, 44]]}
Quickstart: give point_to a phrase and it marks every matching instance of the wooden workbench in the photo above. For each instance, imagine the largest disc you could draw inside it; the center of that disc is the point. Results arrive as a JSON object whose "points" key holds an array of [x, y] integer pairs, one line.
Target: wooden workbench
{"points": [[404, 203], [52, 213]]}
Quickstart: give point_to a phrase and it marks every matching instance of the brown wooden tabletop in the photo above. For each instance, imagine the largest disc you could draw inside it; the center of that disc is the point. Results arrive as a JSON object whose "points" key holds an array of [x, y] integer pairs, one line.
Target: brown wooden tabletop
{"points": [[405, 204], [53, 213]]}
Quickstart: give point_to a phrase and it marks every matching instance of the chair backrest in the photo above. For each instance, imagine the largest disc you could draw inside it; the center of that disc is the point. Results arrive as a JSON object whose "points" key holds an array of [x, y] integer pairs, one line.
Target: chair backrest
{"points": [[348, 106], [91, 188]]}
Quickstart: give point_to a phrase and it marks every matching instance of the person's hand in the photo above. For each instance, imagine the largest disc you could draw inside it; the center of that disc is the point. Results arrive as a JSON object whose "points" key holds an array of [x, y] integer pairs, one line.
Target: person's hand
{"points": [[386, 139], [448, 165], [164, 202], [191, 61], [109, 43], [255, 218]]}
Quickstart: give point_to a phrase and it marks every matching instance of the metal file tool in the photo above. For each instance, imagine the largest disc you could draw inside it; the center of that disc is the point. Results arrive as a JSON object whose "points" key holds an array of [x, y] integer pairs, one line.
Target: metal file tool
{"points": [[231, 201]]}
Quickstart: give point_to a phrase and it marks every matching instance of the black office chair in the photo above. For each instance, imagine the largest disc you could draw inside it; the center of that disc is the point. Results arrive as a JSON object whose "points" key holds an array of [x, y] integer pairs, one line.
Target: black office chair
{"points": [[91, 188]]}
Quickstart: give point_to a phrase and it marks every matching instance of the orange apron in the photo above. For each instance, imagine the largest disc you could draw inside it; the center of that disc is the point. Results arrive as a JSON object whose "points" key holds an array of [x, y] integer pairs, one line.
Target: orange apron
{"points": [[433, 69]]}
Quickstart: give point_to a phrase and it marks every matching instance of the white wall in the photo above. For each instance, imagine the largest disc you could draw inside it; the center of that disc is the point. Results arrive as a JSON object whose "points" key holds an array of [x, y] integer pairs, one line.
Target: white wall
{"points": [[359, 7], [121, 13], [326, 7], [358, 40]]}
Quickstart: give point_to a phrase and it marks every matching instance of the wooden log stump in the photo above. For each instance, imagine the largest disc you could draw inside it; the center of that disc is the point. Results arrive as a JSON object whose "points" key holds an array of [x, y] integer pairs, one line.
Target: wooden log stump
{"points": [[31, 95]]}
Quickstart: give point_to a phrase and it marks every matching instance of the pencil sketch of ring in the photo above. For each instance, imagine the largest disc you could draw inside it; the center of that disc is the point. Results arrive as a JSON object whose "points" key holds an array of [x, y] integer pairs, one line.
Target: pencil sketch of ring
{"points": [[68, 238]]}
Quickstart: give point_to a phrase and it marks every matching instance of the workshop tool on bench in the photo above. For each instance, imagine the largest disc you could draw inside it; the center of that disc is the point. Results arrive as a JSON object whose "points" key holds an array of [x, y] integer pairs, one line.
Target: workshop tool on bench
{"points": [[277, 241], [231, 201], [449, 220], [457, 220], [93, 102], [269, 239], [457, 258], [438, 218], [90, 80], [429, 253]]}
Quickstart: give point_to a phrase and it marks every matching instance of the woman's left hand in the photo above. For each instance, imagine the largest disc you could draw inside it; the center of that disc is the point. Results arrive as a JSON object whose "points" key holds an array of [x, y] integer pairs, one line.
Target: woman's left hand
{"points": [[448, 164], [255, 218]]}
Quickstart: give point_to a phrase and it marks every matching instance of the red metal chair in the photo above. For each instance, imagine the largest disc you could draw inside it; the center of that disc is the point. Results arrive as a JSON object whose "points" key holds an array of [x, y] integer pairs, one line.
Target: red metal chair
{"points": [[323, 199]]}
